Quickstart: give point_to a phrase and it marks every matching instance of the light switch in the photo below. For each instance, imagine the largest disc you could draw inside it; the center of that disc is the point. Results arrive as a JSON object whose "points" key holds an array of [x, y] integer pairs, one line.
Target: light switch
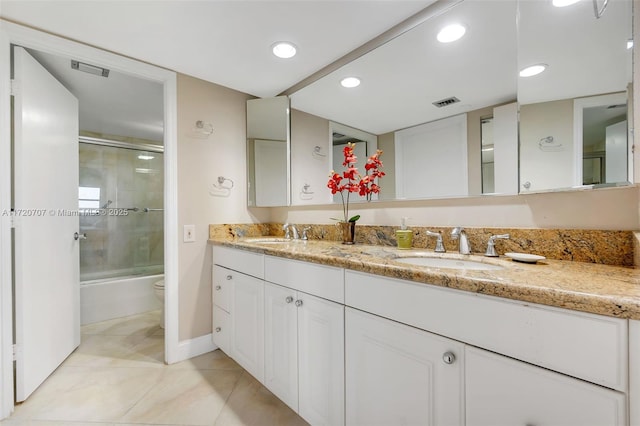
{"points": [[189, 233]]}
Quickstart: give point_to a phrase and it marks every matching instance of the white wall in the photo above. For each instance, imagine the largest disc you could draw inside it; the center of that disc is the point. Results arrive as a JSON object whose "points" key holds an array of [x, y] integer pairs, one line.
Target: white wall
{"points": [[613, 208], [200, 162]]}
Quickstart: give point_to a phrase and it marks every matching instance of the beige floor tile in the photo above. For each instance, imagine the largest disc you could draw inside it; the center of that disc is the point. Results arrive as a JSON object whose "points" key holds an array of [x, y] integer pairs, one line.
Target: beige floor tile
{"points": [[216, 360], [118, 377], [147, 323], [251, 403], [101, 394], [118, 351], [184, 396]]}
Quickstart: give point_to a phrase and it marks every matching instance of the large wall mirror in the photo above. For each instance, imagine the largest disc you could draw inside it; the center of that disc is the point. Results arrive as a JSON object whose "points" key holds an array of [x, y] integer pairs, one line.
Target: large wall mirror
{"points": [[574, 128], [268, 146], [448, 115]]}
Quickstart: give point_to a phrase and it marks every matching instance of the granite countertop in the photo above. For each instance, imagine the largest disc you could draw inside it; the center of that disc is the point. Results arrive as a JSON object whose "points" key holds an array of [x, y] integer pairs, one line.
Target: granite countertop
{"points": [[600, 289]]}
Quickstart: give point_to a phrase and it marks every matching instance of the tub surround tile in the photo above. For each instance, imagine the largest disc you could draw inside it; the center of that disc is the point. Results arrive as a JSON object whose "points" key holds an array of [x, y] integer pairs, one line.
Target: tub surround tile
{"points": [[588, 287], [594, 246]]}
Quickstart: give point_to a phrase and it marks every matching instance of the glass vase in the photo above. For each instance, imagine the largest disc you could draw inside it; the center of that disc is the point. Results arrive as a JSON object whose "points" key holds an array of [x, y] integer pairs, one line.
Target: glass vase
{"points": [[348, 232]]}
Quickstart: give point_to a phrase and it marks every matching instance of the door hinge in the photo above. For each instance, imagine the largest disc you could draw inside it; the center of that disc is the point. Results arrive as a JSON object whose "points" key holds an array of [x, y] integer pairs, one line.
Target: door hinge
{"points": [[16, 352]]}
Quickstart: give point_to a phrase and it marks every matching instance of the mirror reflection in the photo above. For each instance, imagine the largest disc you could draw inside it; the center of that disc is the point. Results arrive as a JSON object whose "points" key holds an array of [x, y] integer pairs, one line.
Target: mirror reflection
{"points": [[268, 151], [423, 99], [573, 114], [413, 87]]}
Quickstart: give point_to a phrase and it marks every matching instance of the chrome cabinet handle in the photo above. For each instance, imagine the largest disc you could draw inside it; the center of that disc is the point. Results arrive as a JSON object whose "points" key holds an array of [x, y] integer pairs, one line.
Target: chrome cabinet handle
{"points": [[229, 277], [298, 303], [218, 287], [449, 357], [289, 299], [218, 329]]}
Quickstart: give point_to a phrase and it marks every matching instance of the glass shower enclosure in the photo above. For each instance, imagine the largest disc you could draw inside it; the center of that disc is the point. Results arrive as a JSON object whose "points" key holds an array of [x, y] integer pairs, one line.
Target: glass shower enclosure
{"points": [[121, 198]]}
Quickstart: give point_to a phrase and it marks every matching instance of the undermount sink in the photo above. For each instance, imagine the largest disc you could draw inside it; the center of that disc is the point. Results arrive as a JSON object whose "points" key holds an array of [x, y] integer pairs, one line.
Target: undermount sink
{"points": [[268, 240], [438, 262]]}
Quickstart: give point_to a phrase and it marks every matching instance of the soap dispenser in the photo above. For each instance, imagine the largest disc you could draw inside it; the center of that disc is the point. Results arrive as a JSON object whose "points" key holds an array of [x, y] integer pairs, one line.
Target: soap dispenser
{"points": [[404, 236]]}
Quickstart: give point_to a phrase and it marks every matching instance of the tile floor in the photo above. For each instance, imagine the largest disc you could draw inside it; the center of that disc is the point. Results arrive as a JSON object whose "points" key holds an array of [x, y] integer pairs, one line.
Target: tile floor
{"points": [[117, 377]]}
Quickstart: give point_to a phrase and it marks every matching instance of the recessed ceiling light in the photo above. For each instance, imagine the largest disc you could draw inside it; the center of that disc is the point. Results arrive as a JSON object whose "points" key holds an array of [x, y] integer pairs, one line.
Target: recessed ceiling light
{"points": [[350, 82], [451, 33], [563, 3], [284, 49], [533, 70]]}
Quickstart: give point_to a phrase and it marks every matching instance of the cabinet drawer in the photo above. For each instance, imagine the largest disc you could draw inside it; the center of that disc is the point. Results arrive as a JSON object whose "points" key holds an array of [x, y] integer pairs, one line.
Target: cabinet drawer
{"points": [[503, 391], [221, 329], [319, 280], [222, 282], [590, 347], [239, 260]]}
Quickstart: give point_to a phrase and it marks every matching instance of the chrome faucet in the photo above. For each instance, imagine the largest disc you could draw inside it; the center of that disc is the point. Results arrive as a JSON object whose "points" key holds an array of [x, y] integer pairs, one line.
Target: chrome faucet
{"points": [[439, 246], [491, 245], [458, 233], [290, 229]]}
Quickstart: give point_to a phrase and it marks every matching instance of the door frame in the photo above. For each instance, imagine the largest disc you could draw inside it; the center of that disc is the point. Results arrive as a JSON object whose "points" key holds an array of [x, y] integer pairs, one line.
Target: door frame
{"points": [[11, 33]]}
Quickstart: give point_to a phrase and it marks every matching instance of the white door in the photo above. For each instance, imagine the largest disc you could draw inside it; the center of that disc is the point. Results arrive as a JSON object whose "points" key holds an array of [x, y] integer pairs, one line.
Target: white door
{"points": [[47, 293], [320, 360], [281, 343], [397, 375]]}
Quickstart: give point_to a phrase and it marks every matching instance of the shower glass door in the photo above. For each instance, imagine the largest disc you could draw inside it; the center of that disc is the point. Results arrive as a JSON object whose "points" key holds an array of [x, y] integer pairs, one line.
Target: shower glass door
{"points": [[121, 196]]}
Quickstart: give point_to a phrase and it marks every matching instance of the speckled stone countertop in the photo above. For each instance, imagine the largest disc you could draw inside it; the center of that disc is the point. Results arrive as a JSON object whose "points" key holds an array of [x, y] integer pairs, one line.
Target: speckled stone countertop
{"points": [[600, 289]]}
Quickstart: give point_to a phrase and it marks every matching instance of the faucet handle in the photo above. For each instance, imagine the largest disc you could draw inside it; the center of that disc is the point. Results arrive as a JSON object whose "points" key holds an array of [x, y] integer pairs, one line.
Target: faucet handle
{"points": [[439, 245], [287, 231], [304, 233], [491, 245]]}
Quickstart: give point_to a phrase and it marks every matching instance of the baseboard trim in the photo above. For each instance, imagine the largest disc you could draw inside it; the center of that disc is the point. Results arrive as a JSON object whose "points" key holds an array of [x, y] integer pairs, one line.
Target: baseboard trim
{"points": [[194, 347]]}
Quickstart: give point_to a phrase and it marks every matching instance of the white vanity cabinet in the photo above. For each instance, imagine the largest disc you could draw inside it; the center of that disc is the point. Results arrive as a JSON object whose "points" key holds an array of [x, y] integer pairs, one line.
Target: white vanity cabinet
{"points": [[397, 375], [498, 389], [304, 339], [503, 391], [238, 307]]}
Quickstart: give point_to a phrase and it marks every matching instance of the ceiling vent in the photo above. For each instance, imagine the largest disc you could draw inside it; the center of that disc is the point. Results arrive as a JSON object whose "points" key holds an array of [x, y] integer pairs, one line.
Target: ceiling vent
{"points": [[91, 69], [446, 102]]}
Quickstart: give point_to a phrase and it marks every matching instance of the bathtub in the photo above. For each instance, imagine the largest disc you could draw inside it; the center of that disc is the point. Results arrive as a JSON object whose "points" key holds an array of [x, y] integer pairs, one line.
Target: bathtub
{"points": [[106, 299]]}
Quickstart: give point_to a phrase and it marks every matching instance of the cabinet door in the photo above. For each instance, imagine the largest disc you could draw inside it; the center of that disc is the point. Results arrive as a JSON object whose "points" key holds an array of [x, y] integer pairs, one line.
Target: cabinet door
{"points": [[397, 375], [503, 391], [320, 360], [281, 343], [221, 330], [222, 281], [247, 324]]}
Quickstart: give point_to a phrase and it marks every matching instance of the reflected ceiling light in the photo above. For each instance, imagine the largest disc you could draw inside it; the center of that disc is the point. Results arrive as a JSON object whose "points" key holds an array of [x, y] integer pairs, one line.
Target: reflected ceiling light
{"points": [[350, 82], [284, 49], [451, 33], [629, 43], [563, 3], [533, 70], [145, 157]]}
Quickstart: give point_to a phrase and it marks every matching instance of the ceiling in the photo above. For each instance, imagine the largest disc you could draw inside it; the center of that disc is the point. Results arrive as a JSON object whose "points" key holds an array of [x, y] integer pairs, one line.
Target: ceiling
{"points": [[228, 43], [224, 42]]}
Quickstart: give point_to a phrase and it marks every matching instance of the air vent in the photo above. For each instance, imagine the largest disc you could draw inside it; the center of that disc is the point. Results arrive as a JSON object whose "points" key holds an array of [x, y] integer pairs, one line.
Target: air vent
{"points": [[447, 101], [91, 69], [337, 135], [617, 106]]}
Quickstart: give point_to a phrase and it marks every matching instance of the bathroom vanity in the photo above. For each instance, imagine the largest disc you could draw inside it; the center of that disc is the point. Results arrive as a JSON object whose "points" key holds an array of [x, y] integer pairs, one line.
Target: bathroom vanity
{"points": [[350, 335]]}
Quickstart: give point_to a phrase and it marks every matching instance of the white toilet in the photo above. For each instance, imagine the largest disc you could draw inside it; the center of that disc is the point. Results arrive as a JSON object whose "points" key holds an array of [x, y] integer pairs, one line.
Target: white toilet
{"points": [[158, 289]]}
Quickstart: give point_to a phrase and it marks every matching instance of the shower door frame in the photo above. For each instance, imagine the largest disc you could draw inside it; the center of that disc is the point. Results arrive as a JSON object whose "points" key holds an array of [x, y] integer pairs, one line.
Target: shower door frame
{"points": [[11, 33]]}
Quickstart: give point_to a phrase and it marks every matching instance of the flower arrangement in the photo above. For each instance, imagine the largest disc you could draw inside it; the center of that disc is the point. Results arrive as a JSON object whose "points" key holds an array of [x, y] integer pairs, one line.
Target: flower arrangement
{"points": [[351, 181]]}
